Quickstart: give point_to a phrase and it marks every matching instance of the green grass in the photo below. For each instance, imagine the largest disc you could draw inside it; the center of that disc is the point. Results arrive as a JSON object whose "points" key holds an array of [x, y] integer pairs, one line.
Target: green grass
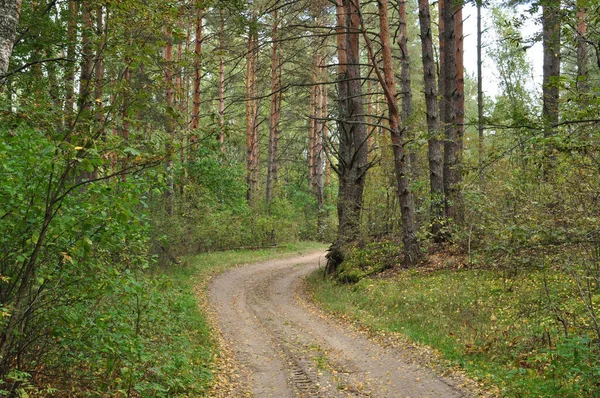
{"points": [[183, 333], [502, 332]]}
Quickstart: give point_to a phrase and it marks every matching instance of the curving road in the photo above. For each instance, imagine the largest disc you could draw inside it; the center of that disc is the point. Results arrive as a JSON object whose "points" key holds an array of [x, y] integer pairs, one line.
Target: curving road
{"points": [[287, 350]]}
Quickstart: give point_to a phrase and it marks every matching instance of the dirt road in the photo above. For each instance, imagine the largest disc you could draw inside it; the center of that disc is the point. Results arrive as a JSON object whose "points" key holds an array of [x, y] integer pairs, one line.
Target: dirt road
{"points": [[286, 349]]}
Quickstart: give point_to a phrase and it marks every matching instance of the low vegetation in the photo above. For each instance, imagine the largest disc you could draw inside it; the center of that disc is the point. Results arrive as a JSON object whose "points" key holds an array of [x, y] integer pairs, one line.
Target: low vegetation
{"points": [[529, 332], [150, 338]]}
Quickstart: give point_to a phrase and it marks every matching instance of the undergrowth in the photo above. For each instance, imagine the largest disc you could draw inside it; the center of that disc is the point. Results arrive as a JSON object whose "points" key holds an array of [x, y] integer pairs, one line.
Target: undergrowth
{"points": [[502, 330]]}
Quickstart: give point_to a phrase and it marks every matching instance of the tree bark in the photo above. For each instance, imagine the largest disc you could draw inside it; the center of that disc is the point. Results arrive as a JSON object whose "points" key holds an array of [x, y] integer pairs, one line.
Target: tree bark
{"points": [[70, 68], [479, 90], [312, 128], [87, 61], [221, 135], [275, 105], [551, 67], [352, 154], [435, 144], [197, 77], [10, 11], [99, 67], [251, 114], [169, 124], [412, 252], [453, 108], [583, 84], [407, 108], [319, 126]]}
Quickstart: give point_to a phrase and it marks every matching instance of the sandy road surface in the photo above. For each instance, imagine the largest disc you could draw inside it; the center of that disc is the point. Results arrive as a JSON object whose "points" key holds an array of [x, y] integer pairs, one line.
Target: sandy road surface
{"points": [[287, 350]]}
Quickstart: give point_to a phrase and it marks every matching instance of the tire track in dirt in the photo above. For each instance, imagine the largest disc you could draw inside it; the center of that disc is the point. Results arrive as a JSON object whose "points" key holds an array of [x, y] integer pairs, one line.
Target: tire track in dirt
{"points": [[285, 350]]}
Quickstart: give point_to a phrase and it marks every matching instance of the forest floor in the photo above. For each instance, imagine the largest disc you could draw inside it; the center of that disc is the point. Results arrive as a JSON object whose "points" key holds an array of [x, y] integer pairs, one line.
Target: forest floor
{"points": [[276, 343]]}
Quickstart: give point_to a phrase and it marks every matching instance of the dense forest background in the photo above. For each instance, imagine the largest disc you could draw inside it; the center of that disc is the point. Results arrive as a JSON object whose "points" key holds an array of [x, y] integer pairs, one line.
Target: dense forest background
{"points": [[136, 133]]}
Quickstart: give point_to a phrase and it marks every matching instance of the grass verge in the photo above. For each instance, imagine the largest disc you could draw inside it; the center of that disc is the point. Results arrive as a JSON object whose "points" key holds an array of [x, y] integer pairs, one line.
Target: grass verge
{"points": [[502, 332]]}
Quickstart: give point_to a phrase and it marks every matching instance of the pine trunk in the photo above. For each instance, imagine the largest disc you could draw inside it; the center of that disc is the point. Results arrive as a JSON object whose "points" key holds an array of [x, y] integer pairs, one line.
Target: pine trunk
{"points": [[353, 164], [479, 90], [221, 135], [169, 126], [435, 144], [583, 84], [197, 78], [450, 66], [407, 109], [551, 67], [412, 253], [251, 114], [70, 68], [272, 166]]}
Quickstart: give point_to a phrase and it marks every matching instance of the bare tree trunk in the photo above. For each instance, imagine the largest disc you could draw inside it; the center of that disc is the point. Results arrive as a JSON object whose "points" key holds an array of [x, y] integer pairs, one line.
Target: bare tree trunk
{"points": [[10, 11], [70, 68], [99, 76], [412, 252], [326, 134], [87, 62], [583, 84], [124, 130], [319, 185], [459, 104], [352, 160], [169, 124], [197, 77], [451, 65], [312, 128], [551, 67], [272, 166], [251, 114], [407, 109], [221, 136], [99, 67], [441, 66], [479, 90], [85, 77], [435, 144]]}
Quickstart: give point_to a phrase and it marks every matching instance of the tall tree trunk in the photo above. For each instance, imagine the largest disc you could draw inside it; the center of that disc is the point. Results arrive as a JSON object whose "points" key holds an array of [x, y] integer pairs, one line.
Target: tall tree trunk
{"points": [[326, 133], [551, 67], [319, 184], [99, 68], [124, 130], [70, 68], [551, 74], [169, 124], [272, 166], [435, 144], [312, 128], [479, 90], [451, 108], [10, 10], [99, 76], [442, 66], [412, 252], [459, 104], [87, 61], [221, 135], [251, 113], [352, 161], [197, 77], [407, 108], [583, 84], [85, 79]]}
